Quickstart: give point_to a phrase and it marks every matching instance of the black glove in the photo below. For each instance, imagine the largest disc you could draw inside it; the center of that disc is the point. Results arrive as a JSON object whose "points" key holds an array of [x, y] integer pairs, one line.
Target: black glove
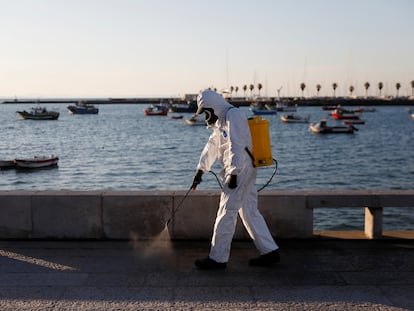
{"points": [[197, 179], [232, 181]]}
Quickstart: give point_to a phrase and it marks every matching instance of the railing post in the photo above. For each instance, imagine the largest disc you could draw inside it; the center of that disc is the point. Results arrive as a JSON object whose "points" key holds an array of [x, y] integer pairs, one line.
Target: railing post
{"points": [[373, 222]]}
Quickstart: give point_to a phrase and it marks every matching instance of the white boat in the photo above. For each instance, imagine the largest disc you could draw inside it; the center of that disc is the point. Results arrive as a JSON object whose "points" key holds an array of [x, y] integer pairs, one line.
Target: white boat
{"points": [[195, 121], [294, 118], [37, 162]]}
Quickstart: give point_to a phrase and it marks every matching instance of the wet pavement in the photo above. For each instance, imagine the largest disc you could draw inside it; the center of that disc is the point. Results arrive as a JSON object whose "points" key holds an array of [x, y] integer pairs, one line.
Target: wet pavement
{"points": [[314, 274]]}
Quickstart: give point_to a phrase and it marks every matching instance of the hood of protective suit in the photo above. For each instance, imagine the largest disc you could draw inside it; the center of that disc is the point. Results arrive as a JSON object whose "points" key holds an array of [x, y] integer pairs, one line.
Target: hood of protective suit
{"points": [[213, 100]]}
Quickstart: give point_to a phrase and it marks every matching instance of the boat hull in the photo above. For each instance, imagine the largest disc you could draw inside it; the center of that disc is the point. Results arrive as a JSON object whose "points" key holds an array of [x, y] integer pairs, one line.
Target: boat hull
{"points": [[350, 122], [294, 119], [263, 112], [156, 110], [158, 113], [7, 164], [51, 115], [339, 116], [82, 110], [315, 128], [36, 162]]}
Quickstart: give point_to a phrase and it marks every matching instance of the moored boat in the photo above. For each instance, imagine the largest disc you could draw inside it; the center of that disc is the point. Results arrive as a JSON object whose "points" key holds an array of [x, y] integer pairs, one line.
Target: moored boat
{"points": [[174, 117], [82, 108], [286, 107], [37, 162], [195, 121], [365, 109], [322, 128], [188, 106], [340, 114], [156, 110], [263, 112], [261, 109], [7, 164], [38, 113], [349, 122], [328, 107], [294, 118]]}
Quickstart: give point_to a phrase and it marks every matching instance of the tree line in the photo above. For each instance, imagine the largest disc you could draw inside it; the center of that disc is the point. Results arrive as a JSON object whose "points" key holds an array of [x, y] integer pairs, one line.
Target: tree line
{"points": [[302, 86]]}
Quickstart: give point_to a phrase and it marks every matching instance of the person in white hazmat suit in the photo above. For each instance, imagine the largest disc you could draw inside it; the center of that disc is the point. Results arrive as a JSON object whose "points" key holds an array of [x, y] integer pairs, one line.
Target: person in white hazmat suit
{"points": [[227, 144]]}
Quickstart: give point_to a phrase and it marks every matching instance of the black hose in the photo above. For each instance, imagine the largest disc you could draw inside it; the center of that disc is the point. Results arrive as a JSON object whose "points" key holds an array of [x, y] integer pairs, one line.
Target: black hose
{"points": [[271, 177], [261, 188]]}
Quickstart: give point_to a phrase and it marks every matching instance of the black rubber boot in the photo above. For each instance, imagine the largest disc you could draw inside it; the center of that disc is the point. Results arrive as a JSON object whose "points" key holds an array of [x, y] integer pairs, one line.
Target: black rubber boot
{"points": [[210, 264], [266, 259]]}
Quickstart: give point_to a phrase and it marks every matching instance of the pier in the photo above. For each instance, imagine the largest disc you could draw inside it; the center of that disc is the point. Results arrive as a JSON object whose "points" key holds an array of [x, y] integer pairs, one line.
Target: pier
{"points": [[236, 101], [142, 215]]}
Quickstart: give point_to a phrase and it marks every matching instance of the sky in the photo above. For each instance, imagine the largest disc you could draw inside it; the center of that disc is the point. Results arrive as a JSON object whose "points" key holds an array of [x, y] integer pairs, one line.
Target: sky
{"points": [[137, 48]]}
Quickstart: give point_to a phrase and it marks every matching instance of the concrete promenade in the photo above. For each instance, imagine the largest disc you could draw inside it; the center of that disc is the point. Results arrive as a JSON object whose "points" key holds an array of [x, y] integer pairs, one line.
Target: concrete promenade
{"points": [[314, 274]]}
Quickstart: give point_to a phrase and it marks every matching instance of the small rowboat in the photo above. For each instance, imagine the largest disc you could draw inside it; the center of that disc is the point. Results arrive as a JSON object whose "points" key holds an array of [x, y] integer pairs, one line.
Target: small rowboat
{"points": [[177, 117], [37, 162], [294, 118], [194, 121]]}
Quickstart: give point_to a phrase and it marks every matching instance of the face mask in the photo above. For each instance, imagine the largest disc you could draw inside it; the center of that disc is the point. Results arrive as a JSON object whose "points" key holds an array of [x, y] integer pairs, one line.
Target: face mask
{"points": [[211, 118]]}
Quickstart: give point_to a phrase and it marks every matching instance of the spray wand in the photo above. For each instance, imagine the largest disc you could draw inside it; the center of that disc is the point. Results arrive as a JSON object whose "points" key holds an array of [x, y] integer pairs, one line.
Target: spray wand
{"points": [[179, 205]]}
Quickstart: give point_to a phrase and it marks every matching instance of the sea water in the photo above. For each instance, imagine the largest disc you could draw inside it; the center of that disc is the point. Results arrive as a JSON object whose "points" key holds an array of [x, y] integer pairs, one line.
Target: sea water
{"points": [[121, 149]]}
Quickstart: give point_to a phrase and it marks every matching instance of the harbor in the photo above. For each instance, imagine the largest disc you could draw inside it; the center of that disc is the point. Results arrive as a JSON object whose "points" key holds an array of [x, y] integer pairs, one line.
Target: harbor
{"points": [[121, 149]]}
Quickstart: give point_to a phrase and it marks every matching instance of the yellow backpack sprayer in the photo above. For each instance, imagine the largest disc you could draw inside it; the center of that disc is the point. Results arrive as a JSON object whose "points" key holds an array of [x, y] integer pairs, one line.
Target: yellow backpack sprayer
{"points": [[262, 152]]}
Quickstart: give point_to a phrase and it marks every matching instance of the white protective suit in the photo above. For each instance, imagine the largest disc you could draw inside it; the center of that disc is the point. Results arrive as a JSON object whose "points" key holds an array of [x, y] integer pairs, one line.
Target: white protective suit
{"points": [[227, 143]]}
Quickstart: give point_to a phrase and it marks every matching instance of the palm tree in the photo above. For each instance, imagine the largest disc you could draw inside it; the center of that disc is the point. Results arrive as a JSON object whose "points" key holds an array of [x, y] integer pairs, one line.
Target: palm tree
{"points": [[236, 89], [231, 91], [251, 88], [302, 87], [351, 90], [398, 86], [244, 89], [334, 86], [259, 87], [412, 88], [318, 88], [380, 86], [366, 85]]}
